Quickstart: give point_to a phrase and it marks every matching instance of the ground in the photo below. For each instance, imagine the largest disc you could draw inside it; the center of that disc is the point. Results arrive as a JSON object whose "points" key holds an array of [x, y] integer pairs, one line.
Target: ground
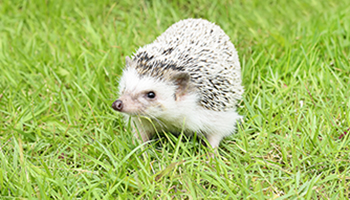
{"points": [[60, 139]]}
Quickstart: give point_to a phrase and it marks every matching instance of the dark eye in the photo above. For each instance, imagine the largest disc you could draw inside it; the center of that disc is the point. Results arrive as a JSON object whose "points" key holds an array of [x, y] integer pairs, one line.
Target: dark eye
{"points": [[151, 95]]}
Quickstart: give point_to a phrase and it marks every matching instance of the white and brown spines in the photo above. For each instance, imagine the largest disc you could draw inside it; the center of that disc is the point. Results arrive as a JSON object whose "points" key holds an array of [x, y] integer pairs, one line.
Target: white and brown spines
{"points": [[201, 49], [146, 64]]}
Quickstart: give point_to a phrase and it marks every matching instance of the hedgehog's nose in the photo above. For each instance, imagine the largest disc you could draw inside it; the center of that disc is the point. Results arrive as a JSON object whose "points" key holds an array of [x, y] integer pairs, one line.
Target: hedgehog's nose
{"points": [[117, 105]]}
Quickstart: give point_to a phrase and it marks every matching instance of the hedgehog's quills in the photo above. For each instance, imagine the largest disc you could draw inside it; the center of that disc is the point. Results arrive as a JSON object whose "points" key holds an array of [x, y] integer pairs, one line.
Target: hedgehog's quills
{"points": [[188, 80]]}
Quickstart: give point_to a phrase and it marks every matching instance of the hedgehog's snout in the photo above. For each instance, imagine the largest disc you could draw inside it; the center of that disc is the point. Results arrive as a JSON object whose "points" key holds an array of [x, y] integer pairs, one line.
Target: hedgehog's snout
{"points": [[117, 105]]}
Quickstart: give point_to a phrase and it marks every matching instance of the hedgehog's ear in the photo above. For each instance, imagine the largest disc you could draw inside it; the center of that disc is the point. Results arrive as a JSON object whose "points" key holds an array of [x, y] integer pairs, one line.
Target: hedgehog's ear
{"points": [[182, 81], [129, 62]]}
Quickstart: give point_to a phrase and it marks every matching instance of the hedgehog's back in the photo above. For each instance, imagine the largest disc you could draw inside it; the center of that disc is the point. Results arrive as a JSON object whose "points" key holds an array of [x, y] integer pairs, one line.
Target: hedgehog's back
{"points": [[202, 49]]}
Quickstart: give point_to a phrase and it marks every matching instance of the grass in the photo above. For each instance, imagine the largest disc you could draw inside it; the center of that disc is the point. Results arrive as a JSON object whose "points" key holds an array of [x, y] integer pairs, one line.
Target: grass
{"points": [[60, 139]]}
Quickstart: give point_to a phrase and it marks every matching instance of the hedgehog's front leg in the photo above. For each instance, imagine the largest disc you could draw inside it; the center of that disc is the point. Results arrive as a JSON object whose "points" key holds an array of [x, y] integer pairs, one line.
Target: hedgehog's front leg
{"points": [[142, 131], [144, 136]]}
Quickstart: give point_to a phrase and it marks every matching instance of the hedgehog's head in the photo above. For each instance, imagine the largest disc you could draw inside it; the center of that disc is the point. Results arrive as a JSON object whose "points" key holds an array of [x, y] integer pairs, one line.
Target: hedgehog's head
{"points": [[149, 96]]}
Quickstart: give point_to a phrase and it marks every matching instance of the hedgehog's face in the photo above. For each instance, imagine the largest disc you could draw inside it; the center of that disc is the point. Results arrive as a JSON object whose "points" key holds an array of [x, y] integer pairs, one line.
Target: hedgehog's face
{"points": [[146, 96]]}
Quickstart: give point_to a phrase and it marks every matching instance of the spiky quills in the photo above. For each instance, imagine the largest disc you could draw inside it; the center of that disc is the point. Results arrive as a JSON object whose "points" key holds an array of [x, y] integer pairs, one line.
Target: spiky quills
{"points": [[201, 49]]}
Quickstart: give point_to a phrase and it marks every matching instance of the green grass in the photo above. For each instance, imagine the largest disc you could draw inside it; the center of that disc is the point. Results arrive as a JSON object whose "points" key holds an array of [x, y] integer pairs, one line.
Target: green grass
{"points": [[60, 139]]}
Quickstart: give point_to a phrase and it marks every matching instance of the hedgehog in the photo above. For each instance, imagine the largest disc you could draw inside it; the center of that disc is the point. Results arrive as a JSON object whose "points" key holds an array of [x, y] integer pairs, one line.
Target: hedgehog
{"points": [[187, 81]]}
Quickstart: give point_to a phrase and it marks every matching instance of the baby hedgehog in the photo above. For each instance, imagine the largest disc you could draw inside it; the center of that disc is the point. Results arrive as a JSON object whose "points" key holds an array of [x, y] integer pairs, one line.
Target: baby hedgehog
{"points": [[188, 80]]}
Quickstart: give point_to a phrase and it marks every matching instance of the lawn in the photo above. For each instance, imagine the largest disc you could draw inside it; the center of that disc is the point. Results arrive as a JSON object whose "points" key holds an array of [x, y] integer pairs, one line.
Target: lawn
{"points": [[60, 139]]}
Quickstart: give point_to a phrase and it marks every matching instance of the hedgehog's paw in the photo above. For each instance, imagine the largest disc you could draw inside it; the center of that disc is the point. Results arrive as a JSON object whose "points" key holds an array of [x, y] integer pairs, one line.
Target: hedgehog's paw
{"points": [[136, 140], [214, 140], [140, 137]]}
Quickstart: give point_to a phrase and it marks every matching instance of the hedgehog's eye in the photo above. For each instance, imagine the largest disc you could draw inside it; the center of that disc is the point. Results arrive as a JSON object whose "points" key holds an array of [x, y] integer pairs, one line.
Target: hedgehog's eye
{"points": [[151, 95]]}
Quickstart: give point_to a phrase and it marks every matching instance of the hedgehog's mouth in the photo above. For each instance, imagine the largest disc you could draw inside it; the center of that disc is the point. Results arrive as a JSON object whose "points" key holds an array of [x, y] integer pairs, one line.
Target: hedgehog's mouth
{"points": [[134, 114], [137, 113]]}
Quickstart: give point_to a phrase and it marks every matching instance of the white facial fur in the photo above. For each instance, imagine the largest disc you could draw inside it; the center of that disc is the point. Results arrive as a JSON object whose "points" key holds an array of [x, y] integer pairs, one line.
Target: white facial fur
{"points": [[133, 92]]}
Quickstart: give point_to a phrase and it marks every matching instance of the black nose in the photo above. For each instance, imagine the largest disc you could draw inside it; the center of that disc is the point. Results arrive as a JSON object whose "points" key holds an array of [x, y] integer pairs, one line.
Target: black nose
{"points": [[117, 105]]}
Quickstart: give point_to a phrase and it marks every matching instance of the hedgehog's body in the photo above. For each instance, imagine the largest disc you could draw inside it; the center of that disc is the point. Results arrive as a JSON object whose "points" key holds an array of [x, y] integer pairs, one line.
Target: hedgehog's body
{"points": [[188, 80]]}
